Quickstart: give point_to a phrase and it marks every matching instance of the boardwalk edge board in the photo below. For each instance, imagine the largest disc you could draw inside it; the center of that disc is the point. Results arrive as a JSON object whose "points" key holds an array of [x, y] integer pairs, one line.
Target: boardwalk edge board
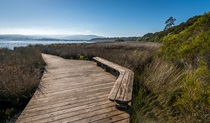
{"points": [[122, 90]]}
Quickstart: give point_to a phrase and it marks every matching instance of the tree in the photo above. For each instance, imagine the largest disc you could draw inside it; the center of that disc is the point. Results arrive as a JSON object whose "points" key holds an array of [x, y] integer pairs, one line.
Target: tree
{"points": [[169, 23]]}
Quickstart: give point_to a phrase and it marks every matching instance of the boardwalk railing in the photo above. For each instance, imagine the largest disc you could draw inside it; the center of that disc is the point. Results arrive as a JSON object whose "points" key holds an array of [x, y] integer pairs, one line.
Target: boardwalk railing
{"points": [[123, 87]]}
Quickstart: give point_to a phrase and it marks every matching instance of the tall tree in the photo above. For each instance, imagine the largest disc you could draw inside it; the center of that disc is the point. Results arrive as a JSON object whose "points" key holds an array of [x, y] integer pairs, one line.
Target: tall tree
{"points": [[169, 22]]}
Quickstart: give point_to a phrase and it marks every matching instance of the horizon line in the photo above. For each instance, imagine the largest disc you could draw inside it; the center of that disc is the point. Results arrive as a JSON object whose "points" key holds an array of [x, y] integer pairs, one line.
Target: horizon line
{"points": [[67, 35]]}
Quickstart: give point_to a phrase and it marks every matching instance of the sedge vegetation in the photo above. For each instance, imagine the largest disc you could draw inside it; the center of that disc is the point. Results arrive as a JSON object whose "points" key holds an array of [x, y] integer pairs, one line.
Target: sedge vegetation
{"points": [[20, 74], [124, 53]]}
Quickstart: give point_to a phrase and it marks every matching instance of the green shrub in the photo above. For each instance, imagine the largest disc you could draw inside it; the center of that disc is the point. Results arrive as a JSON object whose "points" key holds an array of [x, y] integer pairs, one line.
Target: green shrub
{"points": [[189, 48], [194, 101]]}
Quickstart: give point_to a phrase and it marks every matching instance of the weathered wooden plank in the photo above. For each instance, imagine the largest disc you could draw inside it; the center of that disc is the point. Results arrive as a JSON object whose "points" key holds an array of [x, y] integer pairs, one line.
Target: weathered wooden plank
{"points": [[62, 112], [123, 121], [122, 88], [91, 116], [108, 63], [116, 118], [48, 102], [60, 106], [129, 88], [70, 93], [78, 89], [77, 114], [114, 91], [36, 106], [60, 88]]}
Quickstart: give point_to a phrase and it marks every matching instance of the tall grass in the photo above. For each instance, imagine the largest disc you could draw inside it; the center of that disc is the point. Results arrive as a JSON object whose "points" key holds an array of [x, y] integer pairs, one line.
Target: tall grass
{"points": [[160, 81], [171, 92], [20, 71]]}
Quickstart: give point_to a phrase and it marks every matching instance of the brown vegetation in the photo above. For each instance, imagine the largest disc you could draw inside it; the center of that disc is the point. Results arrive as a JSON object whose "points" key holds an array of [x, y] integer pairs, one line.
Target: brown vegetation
{"points": [[127, 54], [20, 72]]}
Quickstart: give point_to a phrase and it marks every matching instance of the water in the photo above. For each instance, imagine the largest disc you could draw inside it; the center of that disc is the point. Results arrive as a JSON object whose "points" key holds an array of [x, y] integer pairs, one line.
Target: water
{"points": [[12, 44]]}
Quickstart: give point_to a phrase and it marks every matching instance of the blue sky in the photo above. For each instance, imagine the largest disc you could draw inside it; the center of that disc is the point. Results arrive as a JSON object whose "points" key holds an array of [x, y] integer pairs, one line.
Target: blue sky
{"points": [[100, 17]]}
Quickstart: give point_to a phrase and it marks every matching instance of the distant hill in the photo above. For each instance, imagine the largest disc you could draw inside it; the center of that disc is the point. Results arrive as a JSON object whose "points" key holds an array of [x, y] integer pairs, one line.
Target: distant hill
{"points": [[48, 37], [82, 37], [115, 39], [65, 37]]}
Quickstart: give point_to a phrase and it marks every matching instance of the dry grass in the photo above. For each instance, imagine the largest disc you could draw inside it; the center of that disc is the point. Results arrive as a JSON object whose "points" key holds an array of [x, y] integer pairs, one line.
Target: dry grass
{"points": [[170, 93], [20, 72], [163, 78], [160, 81], [128, 54]]}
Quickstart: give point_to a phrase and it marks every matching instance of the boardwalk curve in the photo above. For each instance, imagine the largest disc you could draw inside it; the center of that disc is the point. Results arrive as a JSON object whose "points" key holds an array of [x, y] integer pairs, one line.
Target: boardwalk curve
{"points": [[73, 91]]}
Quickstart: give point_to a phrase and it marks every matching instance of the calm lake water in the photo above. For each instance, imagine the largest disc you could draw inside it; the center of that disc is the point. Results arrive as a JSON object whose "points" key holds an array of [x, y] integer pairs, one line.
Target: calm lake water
{"points": [[12, 44]]}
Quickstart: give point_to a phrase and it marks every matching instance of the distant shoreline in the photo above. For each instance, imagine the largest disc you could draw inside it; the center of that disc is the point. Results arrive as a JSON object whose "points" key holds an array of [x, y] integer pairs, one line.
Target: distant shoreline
{"points": [[11, 44]]}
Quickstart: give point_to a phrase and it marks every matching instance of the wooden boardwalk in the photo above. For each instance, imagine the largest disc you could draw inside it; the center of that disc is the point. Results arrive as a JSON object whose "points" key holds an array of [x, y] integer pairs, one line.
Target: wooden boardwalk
{"points": [[73, 91]]}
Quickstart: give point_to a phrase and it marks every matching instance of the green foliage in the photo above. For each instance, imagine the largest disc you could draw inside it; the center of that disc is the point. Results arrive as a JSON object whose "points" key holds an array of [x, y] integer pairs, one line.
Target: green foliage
{"points": [[146, 37], [191, 44], [169, 23], [189, 47], [135, 52], [143, 108], [194, 99], [82, 57]]}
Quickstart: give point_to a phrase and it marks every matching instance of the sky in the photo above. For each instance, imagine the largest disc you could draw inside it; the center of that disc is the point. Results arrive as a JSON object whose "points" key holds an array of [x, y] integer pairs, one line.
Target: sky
{"points": [[110, 18]]}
